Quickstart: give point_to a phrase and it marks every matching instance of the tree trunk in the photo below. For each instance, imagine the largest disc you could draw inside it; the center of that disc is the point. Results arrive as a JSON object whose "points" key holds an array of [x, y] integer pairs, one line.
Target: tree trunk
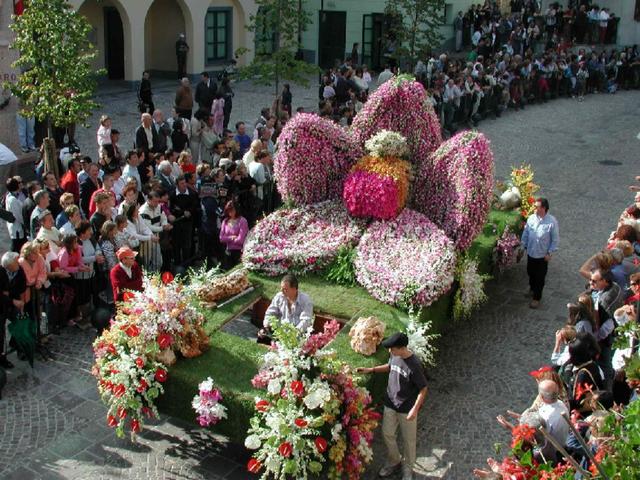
{"points": [[49, 147]]}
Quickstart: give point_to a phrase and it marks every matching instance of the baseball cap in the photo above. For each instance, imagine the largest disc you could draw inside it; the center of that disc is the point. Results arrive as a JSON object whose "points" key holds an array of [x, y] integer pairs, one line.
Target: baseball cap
{"points": [[396, 340]]}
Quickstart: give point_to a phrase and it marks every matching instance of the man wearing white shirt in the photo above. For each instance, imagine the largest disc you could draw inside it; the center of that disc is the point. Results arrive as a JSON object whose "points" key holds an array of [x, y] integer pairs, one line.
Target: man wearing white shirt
{"points": [[131, 168], [14, 205], [385, 75], [603, 18], [552, 411], [258, 171], [250, 156]]}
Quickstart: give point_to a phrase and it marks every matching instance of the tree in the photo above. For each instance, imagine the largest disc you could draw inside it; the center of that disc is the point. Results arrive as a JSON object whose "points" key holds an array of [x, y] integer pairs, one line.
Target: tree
{"points": [[58, 80], [415, 27], [277, 26]]}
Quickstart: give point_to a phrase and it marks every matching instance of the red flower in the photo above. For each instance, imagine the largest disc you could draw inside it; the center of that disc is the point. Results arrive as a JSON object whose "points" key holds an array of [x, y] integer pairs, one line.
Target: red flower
{"points": [[301, 422], [111, 349], [164, 340], [521, 434], [126, 296], [540, 371], [119, 390], [167, 278], [112, 421], [139, 362], [135, 425], [161, 375], [143, 386], [262, 405], [147, 411], [122, 412], [254, 466], [321, 444], [297, 388], [131, 330], [582, 389], [285, 449]]}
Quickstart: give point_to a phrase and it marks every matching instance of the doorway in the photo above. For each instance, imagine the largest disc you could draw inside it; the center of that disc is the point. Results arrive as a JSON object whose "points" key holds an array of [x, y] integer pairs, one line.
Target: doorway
{"points": [[332, 38], [373, 31], [114, 43]]}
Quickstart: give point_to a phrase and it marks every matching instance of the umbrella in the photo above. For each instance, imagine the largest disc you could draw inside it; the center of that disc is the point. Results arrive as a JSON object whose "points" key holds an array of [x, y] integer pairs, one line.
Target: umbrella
{"points": [[23, 334]]}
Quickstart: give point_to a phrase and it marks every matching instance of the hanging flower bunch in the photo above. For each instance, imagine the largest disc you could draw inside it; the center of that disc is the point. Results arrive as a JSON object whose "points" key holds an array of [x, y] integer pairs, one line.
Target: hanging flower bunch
{"points": [[522, 179], [455, 188], [405, 260], [505, 253], [400, 105], [377, 187], [421, 341], [311, 411], [313, 157], [470, 294], [207, 404], [127, 365], [300, 240]]}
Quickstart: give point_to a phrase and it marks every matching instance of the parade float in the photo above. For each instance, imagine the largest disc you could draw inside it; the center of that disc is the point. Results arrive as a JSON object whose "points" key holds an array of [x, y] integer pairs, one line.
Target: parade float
{"points": [[384, 220]]}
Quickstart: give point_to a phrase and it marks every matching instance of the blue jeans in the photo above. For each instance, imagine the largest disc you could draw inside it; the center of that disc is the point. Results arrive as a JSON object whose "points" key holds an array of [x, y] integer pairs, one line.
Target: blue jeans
{"points": [[26, 132]]}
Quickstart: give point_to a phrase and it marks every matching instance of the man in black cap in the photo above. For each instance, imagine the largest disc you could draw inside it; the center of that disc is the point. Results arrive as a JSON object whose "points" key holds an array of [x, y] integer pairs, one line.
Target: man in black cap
{"points": [[406, 391]]}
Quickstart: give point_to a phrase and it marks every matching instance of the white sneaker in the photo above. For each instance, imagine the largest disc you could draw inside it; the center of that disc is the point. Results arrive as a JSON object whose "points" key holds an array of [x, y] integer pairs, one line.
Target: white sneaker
{"points": [[389, 470], [407, 473]]}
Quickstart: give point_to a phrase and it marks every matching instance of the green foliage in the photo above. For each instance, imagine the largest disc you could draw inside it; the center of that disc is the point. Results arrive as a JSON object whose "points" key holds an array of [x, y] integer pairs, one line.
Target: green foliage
{"points": [[57, 81], [277, 27], [416, 27], [342, 270], [621, 462]]}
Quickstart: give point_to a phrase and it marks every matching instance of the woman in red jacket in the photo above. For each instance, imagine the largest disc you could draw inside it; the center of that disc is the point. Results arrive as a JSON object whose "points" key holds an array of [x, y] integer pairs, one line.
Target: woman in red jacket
{"points": [[126, 275]]}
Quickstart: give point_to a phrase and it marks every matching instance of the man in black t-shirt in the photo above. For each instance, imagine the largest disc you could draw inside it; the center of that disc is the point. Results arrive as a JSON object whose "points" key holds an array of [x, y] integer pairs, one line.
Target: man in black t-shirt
{"points": [[406, 392]]}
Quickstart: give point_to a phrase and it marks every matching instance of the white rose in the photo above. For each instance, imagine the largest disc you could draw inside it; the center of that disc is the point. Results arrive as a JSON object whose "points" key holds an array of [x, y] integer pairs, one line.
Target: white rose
{"points": [[274, 387], [252, 442]]}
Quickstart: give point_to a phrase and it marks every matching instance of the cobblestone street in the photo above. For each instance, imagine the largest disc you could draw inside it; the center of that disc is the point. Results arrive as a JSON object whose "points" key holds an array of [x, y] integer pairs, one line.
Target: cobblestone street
{"points": [[52, 423]]}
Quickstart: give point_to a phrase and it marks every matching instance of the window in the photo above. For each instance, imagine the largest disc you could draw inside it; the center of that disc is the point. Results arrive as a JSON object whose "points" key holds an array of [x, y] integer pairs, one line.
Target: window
{"points": [[217, 31], [265, 37]]}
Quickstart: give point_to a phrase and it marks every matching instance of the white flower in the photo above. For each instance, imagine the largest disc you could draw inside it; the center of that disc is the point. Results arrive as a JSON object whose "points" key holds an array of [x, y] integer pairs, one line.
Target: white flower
{"points": [[274, 386], [252, 442], [386, 143], [206, 385], [274, 422], [319, 394]]}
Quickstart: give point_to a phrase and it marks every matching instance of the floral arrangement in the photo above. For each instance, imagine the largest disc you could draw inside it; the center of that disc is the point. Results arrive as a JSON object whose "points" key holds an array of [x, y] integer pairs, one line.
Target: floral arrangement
{"points": [[300, 240], [207, 404], [421, 341], [313, 157], [128, 356], [405, 261], [312, 414], [455, 188], [387, 143], [505, 253], [522, 179], [470, 293], [400, 105], [377, 187]]}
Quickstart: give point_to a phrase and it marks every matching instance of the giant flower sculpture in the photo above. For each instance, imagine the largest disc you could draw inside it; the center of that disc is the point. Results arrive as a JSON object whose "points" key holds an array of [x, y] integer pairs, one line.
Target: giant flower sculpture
{"points": [[388, 186]]}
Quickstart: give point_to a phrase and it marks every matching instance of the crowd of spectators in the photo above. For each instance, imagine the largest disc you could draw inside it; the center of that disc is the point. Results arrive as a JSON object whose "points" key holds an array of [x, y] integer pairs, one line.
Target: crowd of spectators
{"points": [[586, 375], [187, 193]]}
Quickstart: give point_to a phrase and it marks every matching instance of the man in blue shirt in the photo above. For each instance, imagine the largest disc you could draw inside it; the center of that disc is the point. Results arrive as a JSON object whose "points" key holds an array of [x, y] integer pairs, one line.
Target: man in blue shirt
{"points": [[540, 240], [241, 137]]}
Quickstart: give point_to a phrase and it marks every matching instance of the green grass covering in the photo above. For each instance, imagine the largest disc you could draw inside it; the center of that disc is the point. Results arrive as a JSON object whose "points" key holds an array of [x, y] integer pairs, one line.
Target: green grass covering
{"points": [[233, 361]]}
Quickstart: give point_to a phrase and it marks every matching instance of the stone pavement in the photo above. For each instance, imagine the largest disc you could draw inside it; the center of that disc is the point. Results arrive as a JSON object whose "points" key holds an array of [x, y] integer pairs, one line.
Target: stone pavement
{"points": [[52, 424]]}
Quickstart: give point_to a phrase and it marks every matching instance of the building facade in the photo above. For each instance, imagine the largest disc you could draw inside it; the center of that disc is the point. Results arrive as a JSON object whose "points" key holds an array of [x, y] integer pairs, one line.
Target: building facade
{"points": [[137, 35]]}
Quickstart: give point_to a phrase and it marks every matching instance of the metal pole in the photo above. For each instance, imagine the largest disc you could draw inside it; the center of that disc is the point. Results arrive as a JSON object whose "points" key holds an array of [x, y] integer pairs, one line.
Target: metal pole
{"points": [[584, 445], [564, 453]]}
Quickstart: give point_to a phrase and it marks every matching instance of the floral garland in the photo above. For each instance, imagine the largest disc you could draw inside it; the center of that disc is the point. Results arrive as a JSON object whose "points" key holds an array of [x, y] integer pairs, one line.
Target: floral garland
{"points": [[505, 253], [522, 179], [455, 188], [300, 240], [147, 326], [207, 404], [470, 293], [400, 105], [311, 411], [313, 157], [405, 261]]}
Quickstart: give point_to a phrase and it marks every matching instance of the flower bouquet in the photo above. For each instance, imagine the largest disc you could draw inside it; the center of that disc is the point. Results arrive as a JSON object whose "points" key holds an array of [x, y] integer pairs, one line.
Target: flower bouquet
{"points": [[207, 404], [128, 355], [470, 294], [506, 253], [522, 179], [312, 412]]}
